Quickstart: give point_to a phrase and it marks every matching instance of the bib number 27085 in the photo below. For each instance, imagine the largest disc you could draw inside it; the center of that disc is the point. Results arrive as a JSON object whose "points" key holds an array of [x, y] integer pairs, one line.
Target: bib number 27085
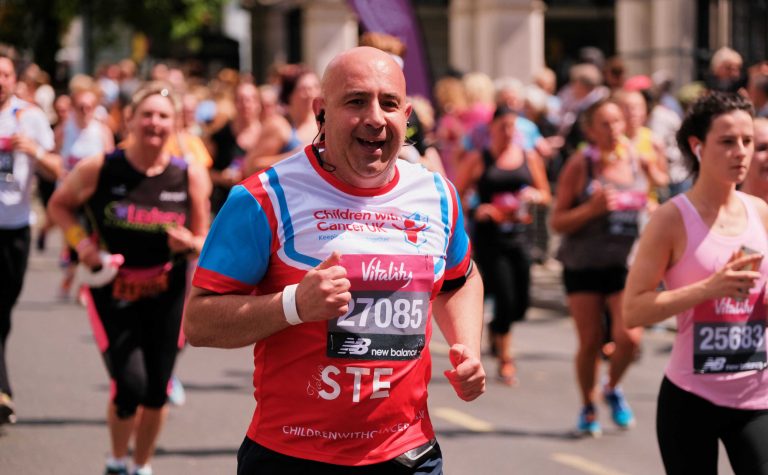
{"points": [[388, 312]]}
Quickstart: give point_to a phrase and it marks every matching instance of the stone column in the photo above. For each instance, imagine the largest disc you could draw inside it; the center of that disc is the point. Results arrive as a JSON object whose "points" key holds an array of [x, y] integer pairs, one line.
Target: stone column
{"points": [[461, 38], [329, 28], [657, 34], [633, 35], [268, 39], [237, 24], [674, 39], [722, 25], [498, 37]]}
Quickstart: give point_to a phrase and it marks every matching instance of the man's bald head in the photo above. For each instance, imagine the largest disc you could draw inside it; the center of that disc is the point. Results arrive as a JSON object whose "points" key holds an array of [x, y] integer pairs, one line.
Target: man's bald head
{"points": [[362, 111], [355, 58]]}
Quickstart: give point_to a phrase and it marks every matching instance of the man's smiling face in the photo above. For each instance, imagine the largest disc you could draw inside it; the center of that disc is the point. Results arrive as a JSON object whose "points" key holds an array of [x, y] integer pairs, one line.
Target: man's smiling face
{"points": [[365, 116]]}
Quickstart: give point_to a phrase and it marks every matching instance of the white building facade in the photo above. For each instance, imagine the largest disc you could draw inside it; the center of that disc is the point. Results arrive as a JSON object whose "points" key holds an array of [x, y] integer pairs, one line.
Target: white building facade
{"points": [[519, 37]]}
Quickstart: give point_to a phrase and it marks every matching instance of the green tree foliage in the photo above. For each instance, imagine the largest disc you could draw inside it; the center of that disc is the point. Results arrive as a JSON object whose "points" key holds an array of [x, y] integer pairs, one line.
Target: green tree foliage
{"points": [[38, 25]]}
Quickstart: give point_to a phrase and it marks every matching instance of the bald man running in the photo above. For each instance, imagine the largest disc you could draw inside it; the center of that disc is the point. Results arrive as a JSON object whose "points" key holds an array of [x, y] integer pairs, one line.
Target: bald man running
{"points": [[330, 264]]}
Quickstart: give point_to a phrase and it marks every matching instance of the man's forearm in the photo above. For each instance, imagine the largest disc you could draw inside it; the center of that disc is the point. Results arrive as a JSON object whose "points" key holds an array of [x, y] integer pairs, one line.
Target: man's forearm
{"points": [[459, 313], [232, 321]]}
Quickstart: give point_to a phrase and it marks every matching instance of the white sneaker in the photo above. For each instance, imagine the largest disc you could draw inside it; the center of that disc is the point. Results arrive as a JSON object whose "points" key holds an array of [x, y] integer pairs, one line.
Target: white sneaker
{"points": [[143, 470], [7, 412], [176, 395]]}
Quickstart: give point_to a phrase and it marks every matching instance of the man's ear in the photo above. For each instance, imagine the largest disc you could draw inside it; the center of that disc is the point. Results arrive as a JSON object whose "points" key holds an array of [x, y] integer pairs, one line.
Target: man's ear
{"points": [[318, 105], [408, 109]]}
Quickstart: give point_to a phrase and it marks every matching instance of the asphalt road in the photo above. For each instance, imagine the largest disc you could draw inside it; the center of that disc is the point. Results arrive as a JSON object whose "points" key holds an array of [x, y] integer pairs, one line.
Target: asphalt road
{"points": [[61, 391]]}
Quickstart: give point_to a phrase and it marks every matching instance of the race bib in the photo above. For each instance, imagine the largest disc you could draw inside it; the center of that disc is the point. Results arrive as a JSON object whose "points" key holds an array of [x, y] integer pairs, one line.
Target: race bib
{"points": [[70, 162], [729, 335], [6, 160], [388, 311], [134, 284], [512, 204], [624, 219]]}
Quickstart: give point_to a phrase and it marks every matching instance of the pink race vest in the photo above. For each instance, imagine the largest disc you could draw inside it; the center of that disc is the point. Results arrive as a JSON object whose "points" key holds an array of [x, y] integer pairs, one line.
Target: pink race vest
{"points": [[720, 352]]}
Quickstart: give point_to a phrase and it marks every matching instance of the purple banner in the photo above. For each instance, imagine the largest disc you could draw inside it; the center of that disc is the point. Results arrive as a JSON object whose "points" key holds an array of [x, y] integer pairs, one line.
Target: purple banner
{"points": [[396, 18]]}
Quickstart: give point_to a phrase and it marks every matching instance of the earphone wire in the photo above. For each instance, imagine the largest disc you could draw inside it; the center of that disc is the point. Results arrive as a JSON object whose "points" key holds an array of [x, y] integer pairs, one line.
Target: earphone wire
{"points": [[323, 164]]}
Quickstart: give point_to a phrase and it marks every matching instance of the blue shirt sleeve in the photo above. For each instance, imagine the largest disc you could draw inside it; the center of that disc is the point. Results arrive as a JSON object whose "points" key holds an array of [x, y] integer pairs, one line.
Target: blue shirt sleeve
{"points": [[238, 244], [458, 245], [529, 131]]}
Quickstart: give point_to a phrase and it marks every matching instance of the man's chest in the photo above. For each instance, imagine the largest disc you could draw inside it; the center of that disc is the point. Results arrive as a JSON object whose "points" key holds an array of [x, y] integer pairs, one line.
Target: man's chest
{"points": [[409, 226]]}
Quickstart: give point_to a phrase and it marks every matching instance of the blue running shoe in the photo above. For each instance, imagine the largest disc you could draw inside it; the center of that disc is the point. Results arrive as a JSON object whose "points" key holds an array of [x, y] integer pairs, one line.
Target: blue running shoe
{"points": [[620, 411], [588, 424]]}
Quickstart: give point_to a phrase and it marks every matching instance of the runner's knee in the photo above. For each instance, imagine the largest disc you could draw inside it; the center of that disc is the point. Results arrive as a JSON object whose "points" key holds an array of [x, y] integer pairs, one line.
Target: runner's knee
{"points": [[156, 398]]}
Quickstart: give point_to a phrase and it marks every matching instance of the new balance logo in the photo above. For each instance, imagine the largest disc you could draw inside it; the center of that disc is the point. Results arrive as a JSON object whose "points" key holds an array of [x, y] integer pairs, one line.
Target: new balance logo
{"points": [[714, 365], [355, 346]]}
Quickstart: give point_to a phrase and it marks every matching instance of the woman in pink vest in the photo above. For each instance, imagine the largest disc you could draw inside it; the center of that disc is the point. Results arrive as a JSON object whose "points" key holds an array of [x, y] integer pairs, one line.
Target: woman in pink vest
{"points": [[707, 246]]}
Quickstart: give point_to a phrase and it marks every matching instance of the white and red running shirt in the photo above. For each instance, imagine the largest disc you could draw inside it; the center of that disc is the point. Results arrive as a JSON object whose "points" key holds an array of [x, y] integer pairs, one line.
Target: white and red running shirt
{"points": [[353, 390], [17, 169]]}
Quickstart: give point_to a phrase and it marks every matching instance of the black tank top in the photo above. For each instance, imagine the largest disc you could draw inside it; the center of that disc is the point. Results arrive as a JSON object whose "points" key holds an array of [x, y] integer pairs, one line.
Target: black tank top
{"points": [[229, 154], [606, 241], [496, 180], [130, 211], [501, 187]]}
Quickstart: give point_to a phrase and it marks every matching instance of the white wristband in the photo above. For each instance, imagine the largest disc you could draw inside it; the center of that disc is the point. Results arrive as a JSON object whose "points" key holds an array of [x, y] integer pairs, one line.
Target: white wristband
{"points": [[289, 305]]}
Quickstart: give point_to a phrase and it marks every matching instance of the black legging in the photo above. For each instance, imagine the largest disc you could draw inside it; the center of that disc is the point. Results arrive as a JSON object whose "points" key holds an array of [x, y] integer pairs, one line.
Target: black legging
{"points": [[688, 428], [45, 189], [14, 252], [505, 265], [143, 343]]}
